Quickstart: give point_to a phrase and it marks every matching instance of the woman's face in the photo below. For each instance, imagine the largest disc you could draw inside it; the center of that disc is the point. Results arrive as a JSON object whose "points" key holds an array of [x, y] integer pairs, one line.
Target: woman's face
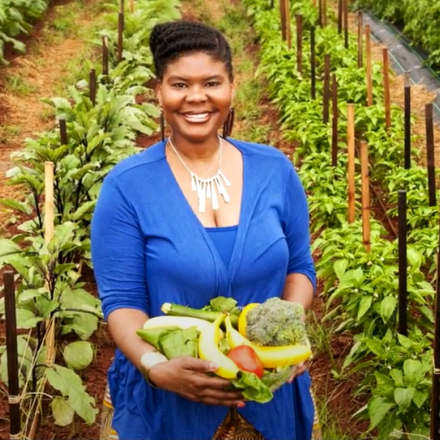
{"points": [[195, 95]]}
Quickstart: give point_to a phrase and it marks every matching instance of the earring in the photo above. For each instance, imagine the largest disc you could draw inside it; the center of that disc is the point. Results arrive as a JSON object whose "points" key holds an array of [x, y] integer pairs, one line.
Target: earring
{"points": [[162, 126], [229, 123]]}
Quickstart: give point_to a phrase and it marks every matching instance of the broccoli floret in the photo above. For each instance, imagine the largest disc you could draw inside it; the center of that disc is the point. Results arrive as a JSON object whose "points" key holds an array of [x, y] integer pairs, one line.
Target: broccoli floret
{"points": [[276, 322]]}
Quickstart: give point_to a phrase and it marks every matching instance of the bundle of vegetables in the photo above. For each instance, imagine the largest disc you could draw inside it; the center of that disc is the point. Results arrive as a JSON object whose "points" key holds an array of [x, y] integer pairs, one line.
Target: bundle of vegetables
{"points": [[257, 348]]}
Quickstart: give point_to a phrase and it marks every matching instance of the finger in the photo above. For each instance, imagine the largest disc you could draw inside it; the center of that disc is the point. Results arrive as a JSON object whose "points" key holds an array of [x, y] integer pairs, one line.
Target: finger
{"points": [[199, 365]]}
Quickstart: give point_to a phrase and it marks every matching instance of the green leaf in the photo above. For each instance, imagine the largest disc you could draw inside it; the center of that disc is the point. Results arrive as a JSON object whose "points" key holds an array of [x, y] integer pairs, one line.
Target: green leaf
{"points": [[414, 257], [397, 376], [378, 408], [413, 372], [385, 385], [16, 205], [26, 319], [387, 307], [364, 306], [340, 267], [420, 397], [78, 355], [403, 397], [70, 385], [62, 412]]}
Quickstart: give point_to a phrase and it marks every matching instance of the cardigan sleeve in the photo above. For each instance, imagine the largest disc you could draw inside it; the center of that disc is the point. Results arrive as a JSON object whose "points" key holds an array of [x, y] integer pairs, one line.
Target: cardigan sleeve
{"points": [[296, 228], [118, 252]]}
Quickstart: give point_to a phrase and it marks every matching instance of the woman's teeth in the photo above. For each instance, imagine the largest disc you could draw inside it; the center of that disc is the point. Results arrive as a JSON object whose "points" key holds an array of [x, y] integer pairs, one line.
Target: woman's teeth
{"points": [[199, 117]]}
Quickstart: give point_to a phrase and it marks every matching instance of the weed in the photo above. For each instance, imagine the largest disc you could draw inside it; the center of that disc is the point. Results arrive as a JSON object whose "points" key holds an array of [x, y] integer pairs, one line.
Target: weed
{"points": [[16, 85]]}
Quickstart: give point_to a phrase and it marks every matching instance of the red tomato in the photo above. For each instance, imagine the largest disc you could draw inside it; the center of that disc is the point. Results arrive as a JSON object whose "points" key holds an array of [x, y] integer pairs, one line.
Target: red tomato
{"points": [[247, 360]]}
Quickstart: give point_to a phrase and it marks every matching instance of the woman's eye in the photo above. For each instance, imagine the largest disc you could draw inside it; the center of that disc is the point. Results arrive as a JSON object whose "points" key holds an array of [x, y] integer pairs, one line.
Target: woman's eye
{"points": [[213, 84], [179, 85]]}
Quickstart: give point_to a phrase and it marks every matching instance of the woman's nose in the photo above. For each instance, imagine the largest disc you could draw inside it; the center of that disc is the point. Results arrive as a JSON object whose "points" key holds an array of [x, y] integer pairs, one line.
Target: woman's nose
{"points": [[196, 94]]}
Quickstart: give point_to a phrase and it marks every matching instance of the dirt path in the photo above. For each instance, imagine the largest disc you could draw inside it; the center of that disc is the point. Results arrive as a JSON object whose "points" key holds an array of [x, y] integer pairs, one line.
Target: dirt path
{"points": [[56, 49]]}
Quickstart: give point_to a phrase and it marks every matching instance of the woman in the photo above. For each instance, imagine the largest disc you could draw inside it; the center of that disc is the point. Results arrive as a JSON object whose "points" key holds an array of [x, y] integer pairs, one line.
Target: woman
{"points": [[191, 218]]}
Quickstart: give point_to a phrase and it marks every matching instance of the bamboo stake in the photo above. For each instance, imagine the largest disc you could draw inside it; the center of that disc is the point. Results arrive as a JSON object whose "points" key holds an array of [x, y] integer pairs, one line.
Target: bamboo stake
{"points": [[365, 196], [326, 88], [288, 27], [430, 153], [403, 265], [12, 352], [283, 19], [299, 41], [360, 40], [334, 121], [369, 68], [386, 87], [351, 167], [132, 8]]}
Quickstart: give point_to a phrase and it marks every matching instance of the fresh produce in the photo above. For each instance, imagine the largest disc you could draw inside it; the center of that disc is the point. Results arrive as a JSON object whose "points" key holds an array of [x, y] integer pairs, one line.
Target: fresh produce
{"points": [[208, 349], [182, 322], [216, 307], [246, 359], [271, 357], [275, 322]]}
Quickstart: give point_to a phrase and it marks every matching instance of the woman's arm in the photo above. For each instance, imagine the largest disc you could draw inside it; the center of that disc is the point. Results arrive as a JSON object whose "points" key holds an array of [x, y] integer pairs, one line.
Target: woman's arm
{"points": [[299, 289]]}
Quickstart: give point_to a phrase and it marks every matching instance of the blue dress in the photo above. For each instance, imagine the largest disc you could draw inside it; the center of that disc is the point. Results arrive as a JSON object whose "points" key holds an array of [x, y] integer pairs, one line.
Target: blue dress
{"points": [[148, 247]]}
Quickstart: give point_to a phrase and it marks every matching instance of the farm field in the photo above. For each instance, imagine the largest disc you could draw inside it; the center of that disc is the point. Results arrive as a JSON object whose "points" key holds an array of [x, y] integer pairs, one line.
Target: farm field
{"points": [[79, 97]]}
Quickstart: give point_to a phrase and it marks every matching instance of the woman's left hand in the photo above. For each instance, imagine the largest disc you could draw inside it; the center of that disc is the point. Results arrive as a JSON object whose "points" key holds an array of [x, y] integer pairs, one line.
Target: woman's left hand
{"points": [[300, 369]]}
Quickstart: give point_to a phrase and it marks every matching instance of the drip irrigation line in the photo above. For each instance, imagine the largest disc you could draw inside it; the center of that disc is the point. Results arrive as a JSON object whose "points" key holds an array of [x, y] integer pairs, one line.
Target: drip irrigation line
{"points": [[401, 52]]}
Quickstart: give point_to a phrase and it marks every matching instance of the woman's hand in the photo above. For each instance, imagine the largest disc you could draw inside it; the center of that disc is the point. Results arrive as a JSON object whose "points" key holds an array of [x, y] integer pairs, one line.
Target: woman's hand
{"points": [[299, 369], [186, 376]]}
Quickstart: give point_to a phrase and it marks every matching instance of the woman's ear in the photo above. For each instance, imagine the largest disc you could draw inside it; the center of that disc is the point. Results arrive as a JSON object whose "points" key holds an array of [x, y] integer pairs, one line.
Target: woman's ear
{"points": [[159, 94]]}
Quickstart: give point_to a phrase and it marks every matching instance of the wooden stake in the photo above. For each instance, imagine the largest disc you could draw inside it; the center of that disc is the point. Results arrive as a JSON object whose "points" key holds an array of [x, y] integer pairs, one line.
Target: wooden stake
{"points": [[403, 265], [345, 14], [288, 27], [92, 86], [283, 19], [120, 35], [386, 88], [320, 20], [340, 15], [324, 13], [299, 41], [430, 153], [369, 68], [351, 167], [122, 6], [313, 62], [105, 55], [12, 352], [63, 132], [326, 88], [407, 127], [132, 6], [334, 121], [360, 40], [435, 399], [365, 196]]}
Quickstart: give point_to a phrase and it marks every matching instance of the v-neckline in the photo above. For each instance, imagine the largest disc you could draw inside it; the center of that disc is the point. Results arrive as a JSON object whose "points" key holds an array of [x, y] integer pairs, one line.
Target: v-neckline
{"points": [[230, 270]]}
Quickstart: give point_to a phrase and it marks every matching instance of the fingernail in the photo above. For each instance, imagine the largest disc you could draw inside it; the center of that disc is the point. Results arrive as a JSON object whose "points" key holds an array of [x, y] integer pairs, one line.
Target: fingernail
{"points": [[240, 405], [213, 366]]}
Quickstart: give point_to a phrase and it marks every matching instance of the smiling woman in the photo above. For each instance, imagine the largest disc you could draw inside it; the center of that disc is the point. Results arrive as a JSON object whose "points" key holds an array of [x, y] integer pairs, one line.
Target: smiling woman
{"points": [[195, 217]]}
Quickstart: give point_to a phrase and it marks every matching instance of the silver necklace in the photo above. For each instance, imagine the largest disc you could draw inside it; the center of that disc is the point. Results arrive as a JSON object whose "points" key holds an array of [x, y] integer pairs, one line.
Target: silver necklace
{"points": [[207, 188]]}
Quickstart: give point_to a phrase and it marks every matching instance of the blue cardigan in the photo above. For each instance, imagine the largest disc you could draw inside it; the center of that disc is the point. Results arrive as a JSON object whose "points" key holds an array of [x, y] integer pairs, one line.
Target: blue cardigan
{"points": [[148, 247]]}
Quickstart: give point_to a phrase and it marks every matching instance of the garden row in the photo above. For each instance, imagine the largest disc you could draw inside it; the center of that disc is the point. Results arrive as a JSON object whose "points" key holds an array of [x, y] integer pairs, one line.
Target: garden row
{"points": [[99, 121], [16, 18], [419, 20], [361, 283]]}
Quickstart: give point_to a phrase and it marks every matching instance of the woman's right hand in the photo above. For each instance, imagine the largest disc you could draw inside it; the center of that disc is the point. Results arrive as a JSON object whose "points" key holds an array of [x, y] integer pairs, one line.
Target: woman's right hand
{"points": [[187, 377]]}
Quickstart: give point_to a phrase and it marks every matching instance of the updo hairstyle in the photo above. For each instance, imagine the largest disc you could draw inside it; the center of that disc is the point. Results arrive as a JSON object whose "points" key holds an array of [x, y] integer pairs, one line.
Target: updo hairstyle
{"points": [[172, 40]]}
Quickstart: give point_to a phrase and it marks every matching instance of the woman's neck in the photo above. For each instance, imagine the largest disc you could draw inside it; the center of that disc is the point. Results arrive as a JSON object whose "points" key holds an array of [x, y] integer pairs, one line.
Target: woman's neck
{"points": [[196, 151]]}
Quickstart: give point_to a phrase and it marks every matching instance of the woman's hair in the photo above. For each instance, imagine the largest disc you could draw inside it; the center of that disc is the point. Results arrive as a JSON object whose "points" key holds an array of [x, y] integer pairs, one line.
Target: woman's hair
{"points": [[172, 40]]}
